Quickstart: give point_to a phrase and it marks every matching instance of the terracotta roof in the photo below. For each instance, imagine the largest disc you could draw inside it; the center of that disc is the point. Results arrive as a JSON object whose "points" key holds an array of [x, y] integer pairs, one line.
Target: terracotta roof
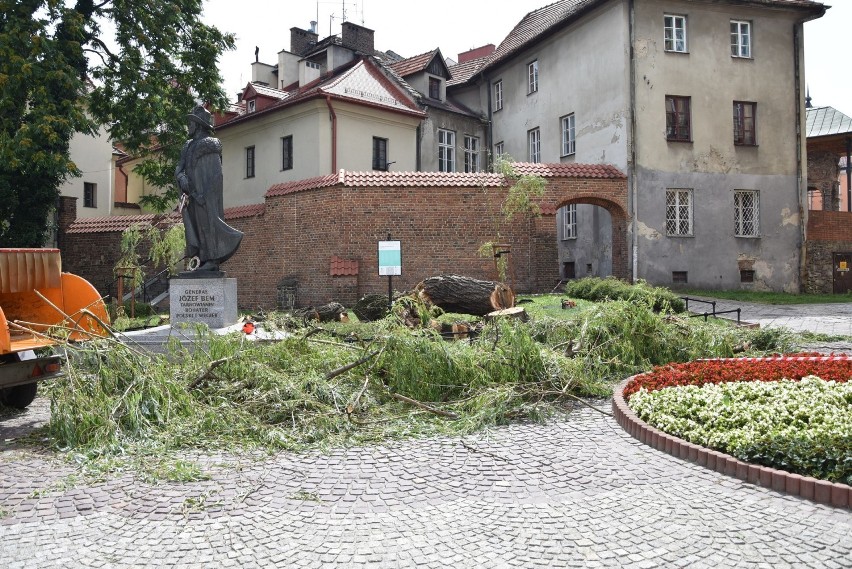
{"points": [[413, 64], [118, 222], [568, 170], [239, 212], [826, 121], [464, 71], [443, 179], [306, 184], [538, 22], [343, 267]]}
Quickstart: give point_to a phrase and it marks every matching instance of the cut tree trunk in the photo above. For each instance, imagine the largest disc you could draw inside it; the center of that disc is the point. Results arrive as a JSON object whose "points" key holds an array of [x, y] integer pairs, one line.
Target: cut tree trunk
{"points": [[454, 293], [516, 312], [331, 312]]}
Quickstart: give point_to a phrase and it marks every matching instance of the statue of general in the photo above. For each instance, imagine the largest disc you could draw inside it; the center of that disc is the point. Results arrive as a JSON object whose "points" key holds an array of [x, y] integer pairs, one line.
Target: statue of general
{"points": [[209, 240]]}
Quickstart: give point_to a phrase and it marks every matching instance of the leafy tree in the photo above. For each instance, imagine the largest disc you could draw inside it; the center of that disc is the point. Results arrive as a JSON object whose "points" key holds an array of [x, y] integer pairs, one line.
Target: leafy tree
{"points": [[59, 76]]}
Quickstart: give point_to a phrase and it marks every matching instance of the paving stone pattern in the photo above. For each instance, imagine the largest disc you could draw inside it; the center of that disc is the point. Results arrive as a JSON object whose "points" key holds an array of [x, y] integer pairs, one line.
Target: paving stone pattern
{"points": [[577, 491]]}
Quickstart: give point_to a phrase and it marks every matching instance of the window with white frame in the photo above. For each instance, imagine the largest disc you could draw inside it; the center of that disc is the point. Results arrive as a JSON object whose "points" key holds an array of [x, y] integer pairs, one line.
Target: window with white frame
{"points": [[747, 213], [252, 105], [498, 149], [532, 77], [446, 151], [740, 38], [534, 139], [675, 33], [471, 154], [498, 95], [679, 212], [568, 135], [569, 221]]}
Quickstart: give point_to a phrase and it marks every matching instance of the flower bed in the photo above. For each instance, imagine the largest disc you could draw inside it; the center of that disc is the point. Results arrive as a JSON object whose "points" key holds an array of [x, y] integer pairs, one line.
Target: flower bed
{"points": [[701, 372], [772, 412]]}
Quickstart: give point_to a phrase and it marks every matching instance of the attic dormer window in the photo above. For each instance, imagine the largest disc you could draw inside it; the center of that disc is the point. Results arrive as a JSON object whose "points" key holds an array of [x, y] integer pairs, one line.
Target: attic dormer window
{"points": [[312, 65], [251, 106], [434, 88]]}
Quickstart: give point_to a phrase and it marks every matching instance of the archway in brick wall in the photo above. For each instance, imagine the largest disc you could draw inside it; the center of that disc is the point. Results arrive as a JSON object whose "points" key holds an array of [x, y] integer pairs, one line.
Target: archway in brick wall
{"points": [[591, 236]]}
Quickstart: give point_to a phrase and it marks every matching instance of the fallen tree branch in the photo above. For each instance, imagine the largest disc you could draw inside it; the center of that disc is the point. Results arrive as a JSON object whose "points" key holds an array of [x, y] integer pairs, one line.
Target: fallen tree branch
{"points": [[423, 406], [352, 406], [207, 373], [335, 372]]}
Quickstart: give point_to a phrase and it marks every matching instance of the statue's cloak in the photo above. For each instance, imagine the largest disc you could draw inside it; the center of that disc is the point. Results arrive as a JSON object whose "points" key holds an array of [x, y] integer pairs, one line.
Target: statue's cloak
{"points": [[207, 235]]}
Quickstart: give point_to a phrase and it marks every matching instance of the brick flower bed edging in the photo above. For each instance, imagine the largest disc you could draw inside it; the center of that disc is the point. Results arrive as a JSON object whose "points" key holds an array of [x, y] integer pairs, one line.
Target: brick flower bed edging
{"points": [[822, 491]]}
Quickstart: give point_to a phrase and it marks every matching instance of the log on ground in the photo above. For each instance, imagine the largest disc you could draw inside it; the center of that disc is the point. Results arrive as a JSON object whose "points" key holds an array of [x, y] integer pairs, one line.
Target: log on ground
{"points": [[466, 295]]}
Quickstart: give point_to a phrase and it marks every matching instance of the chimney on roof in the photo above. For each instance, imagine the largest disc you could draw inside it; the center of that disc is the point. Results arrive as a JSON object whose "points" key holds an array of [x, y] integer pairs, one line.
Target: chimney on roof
{"points": [[357, 38], [476, 52], [313, 26], [301, 41]]}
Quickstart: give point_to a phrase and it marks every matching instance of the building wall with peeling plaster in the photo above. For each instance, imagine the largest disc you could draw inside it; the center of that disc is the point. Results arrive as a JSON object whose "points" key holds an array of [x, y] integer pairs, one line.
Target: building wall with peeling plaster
{"points": [[711, 164]]}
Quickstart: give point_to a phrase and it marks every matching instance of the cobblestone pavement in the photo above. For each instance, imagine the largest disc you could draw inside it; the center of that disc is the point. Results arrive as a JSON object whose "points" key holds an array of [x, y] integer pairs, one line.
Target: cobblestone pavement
{"points": [[576, 492], [832, 319]]}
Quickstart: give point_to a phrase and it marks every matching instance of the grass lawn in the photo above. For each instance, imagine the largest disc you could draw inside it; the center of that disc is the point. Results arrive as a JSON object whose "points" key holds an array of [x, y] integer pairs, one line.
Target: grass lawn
{"points": [[767, 297]]}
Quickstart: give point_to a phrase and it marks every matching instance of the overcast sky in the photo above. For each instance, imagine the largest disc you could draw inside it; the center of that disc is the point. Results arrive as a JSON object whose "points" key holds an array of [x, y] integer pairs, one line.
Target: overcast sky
{"points": [[410, 28]]}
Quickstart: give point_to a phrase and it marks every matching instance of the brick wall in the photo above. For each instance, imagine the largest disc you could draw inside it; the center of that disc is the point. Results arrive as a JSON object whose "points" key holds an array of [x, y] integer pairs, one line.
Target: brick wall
{"points": [[829, 232], [441, 229], [829, 226]]}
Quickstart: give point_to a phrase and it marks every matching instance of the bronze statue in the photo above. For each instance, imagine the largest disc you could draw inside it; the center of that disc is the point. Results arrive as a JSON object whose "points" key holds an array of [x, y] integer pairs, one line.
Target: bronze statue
{"points": [[209, 240]]}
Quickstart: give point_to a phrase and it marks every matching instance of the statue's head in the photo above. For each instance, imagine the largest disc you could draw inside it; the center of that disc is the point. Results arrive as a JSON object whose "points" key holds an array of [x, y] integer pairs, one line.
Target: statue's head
{"points": [[202, 118]]}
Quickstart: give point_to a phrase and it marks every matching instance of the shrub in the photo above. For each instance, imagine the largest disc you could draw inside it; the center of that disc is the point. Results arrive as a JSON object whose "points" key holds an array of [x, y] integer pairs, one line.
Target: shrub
{"points": [[599, 290]]}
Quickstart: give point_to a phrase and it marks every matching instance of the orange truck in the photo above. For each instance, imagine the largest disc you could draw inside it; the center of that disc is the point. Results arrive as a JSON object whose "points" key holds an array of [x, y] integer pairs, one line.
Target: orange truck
{"points": [[40, 306]]}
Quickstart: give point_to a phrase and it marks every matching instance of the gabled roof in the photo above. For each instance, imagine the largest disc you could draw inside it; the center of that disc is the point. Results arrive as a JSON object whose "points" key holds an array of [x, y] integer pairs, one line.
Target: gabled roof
{"points": [[827, 121], [443, 179], [264, 91], [418, 63], [552, 17], [360, 81]]}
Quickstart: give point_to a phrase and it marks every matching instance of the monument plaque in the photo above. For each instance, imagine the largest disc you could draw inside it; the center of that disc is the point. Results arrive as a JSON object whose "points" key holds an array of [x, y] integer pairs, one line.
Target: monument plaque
{"points": [[208, 301]]}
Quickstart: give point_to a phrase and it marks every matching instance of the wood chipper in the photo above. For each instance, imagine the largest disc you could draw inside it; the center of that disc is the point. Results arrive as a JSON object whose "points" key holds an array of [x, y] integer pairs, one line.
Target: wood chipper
{"points": [[39, 307]]}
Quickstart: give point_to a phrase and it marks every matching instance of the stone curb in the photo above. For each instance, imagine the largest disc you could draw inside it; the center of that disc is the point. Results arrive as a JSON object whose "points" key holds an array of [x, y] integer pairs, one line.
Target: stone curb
{"points": [[821, 491]]}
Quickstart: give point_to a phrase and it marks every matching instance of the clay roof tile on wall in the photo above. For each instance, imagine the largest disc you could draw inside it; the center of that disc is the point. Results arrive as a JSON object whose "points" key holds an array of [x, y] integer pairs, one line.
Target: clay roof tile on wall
{"points": [[443, 179], [343, 267], [118, 222], [242, 211]]}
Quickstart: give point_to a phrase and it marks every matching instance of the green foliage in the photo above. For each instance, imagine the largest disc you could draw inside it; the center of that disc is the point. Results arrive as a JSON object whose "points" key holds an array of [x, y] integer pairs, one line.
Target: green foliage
{"points": [[602, 289], [521, 199], [798, 426], [140, 91]]}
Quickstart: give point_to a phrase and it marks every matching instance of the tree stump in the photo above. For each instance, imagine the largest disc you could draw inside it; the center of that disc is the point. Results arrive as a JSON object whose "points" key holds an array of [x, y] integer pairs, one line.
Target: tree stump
{"points": [[454, 293], [517, 312]]}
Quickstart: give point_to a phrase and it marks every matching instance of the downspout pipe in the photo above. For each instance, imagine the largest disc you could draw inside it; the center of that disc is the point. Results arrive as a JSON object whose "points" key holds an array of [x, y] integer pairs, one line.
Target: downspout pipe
{"points": [[800, 183], [631, 169], [848, 173], [333, 116]]}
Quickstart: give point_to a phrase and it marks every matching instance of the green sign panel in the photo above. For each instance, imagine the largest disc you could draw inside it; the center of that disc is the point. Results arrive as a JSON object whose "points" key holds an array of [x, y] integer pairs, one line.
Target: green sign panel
{"points": [[390, 258]]}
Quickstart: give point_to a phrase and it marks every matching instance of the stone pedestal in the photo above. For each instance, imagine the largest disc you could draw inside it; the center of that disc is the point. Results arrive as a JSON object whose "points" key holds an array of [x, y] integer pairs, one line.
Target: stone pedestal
{"points": [[211, 301]]}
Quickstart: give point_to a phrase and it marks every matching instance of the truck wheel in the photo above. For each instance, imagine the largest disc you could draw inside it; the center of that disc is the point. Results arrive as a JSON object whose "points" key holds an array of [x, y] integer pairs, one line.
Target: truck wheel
{"points": [[19, 396]]}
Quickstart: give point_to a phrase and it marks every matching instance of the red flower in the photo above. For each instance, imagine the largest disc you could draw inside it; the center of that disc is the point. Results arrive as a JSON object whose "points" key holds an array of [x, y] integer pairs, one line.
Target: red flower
{"points": [[702, 372]]}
